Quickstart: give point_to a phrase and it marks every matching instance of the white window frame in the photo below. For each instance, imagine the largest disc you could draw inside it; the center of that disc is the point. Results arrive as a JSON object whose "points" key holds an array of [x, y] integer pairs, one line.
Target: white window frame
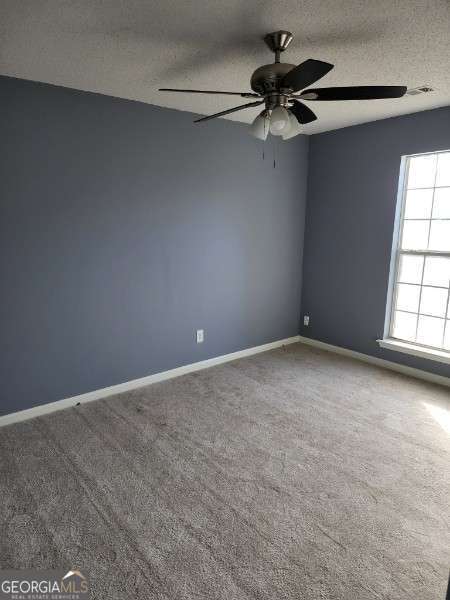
{"points": [[389, 341]]}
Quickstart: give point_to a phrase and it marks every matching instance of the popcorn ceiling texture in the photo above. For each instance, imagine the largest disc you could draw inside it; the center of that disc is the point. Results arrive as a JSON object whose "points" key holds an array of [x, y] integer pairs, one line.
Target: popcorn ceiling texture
{"points": [[292, 474], [129, 49]]}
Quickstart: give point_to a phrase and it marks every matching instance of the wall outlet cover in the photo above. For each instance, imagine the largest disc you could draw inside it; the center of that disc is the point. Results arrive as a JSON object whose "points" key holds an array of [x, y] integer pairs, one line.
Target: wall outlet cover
{"points": [[306, 320], [200, 336]]}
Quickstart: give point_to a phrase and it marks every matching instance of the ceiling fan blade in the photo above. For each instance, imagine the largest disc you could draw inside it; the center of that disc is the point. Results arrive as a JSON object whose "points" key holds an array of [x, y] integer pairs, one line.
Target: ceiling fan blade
{"points": [[362, 92], [242, 94], [305, 74], [229, 110], [302, 113]]}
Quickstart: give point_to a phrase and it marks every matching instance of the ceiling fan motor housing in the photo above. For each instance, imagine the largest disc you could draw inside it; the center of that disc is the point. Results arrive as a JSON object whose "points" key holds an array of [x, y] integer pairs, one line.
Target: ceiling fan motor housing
{"points": [[267, 79]]}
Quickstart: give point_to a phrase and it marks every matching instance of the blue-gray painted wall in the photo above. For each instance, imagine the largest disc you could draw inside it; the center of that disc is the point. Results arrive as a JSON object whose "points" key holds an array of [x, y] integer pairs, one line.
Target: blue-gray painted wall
{"points": [[352, 192], [124, 228]]}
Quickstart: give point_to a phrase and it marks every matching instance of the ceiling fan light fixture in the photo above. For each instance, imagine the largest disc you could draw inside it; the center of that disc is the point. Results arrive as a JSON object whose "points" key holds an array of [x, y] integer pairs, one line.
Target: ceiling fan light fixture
{"points": [[260, 126], [280, 123], [294, 129]]}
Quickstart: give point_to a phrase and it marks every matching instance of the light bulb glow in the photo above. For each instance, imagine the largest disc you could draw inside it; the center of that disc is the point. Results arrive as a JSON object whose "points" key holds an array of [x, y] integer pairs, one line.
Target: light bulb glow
{"points": [[279, 121], [294, 129], [260, 126]]}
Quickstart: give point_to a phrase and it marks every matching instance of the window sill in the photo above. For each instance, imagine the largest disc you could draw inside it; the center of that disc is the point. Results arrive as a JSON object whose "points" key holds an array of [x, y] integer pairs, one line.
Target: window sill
{"points": [[414, 350]]}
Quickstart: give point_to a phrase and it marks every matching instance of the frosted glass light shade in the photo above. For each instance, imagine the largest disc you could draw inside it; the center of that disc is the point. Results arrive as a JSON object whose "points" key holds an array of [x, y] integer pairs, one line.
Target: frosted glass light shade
{"points": [[279, 121], [260, 126], [294, 129]]}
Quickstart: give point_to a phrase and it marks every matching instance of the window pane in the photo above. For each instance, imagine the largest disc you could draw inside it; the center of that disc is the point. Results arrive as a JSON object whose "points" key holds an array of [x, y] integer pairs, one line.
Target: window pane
{"points": [[430, 331], [441, 206], [418, 204], [437, 271], [421, 294], [447, 336], [408, 297], [439, 235], [410, 269], [433, 301], [415, 235], [443, 169], [404, 326], [422, 171]]}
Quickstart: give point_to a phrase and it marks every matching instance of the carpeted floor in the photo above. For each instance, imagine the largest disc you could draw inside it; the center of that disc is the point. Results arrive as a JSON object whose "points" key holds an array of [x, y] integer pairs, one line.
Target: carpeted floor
{"points": [[293, 474]]}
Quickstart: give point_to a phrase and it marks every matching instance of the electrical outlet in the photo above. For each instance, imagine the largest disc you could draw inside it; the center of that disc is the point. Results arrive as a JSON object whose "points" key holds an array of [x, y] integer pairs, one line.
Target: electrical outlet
{"points": [[200, 336], [306, 320]]}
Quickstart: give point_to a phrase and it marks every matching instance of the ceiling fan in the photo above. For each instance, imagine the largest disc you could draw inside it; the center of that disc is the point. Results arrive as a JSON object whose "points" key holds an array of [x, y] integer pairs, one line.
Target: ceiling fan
{"points": [[277, 86]]}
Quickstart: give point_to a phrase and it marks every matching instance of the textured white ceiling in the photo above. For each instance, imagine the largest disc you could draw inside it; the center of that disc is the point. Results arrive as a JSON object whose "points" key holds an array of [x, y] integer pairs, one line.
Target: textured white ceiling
{"points": [[129, 48]]}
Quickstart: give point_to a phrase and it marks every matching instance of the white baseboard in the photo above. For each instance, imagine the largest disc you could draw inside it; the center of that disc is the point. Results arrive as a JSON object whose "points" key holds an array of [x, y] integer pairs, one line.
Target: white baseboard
{"points": [[379, 362], [43, 409]]}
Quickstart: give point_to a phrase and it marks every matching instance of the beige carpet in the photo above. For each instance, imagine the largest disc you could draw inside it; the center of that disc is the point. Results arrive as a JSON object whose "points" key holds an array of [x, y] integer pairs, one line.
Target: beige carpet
{"points": [[293, 474]]}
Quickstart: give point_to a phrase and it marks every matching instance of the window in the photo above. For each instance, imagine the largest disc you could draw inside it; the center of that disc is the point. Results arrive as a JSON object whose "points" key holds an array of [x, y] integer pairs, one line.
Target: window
{"points": [[420, 303]]}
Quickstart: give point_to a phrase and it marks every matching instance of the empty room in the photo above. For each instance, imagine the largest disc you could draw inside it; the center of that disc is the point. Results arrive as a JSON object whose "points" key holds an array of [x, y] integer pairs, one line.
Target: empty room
{"points": [[225, 300]]}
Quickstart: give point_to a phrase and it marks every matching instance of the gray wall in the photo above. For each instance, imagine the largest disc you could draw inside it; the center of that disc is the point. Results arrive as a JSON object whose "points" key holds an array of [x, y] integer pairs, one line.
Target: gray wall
{"points": [[124, 227], [352, 190]]}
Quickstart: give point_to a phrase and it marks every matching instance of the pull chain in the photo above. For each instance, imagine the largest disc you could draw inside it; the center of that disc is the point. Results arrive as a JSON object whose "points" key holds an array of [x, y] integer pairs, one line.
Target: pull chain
{"points": [[264, 140]]}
